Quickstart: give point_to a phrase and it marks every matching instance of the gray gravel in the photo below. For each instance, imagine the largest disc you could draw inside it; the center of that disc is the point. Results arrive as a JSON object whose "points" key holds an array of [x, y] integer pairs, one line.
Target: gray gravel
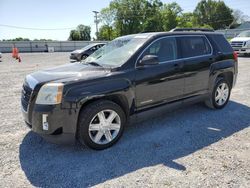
{"points": [[189, 147]]}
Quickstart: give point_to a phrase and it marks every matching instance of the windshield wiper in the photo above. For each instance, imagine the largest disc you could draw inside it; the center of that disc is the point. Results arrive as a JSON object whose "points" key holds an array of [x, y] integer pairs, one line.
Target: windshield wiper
{"points": [[94, 64]]}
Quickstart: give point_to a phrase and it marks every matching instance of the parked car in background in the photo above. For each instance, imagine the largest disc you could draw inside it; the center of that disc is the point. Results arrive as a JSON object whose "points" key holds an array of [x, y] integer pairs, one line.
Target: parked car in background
{"points": [[83, 53], [131, 77], [241, 43], [0, 56]]}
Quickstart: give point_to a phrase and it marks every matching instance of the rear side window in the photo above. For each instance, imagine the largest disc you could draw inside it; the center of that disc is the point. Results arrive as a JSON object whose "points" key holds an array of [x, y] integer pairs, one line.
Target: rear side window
{"points": [[221, 43], [165, 49], [192, 46]]}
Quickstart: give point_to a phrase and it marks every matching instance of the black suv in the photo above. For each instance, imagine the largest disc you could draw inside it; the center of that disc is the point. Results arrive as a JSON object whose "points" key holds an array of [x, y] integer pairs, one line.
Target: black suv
{"points": [[132, 76]]}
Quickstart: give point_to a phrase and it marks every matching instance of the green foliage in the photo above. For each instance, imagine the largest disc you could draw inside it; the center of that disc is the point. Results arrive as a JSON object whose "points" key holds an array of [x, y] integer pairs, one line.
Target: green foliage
{"points": [[152, 16], [74, 35], [123, 17], [213, 13], [82, 32], [106, 33], [170, 14], [107, 16], [17, 39], [42, 40], [129, 15], [186, 20]]}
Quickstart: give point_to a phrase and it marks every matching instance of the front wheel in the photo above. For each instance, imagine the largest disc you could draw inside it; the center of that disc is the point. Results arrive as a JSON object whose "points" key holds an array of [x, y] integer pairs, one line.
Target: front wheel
{"points": [[101, 124], [220, 95], [84, 57]]}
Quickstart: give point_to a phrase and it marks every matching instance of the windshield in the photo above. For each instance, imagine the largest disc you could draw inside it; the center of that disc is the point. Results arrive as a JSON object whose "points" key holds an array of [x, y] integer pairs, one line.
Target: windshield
{"points": [[117, 52], [244, 34]]}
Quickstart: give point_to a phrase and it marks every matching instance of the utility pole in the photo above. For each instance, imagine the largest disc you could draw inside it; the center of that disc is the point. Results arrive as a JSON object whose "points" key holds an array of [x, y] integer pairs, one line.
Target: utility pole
{"points": [[96, 22]]}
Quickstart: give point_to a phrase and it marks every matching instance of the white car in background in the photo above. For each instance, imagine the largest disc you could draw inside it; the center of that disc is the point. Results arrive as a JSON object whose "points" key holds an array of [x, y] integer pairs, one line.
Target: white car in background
{"points": [[0, 56], [241, 43]]}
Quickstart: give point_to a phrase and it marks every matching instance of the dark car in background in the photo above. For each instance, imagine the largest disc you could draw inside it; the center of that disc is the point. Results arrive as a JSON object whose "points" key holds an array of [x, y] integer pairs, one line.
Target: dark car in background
{"points": [[83, 53]]}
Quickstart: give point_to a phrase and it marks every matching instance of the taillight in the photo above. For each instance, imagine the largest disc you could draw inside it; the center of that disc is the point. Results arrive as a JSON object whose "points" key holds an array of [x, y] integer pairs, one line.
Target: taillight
{"points": [[235, 56]]}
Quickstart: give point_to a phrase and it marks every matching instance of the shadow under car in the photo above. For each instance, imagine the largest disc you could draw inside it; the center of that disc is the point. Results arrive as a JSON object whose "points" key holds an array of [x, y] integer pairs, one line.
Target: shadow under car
{"points": [[160, 140]]}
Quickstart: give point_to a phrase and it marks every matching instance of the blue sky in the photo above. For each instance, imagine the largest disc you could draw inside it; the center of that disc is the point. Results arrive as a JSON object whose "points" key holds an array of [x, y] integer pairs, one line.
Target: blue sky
{"points": [[66, 14]]}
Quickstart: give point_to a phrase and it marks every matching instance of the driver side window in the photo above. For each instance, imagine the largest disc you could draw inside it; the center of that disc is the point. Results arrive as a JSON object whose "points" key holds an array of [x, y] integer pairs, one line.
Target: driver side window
{"points": [[165, 49]]}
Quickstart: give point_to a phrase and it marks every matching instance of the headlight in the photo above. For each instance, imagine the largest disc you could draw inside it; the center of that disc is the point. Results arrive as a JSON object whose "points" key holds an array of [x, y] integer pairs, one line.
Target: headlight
{"points": [[50, 93], [248, 44]]}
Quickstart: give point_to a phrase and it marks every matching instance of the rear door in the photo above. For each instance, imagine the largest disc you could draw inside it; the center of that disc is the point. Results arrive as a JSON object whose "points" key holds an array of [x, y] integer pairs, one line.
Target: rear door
{"points": [[196, 53]]}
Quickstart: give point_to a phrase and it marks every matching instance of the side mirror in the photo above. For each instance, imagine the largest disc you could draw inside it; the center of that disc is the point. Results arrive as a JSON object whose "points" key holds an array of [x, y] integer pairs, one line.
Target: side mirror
{"points": [[149, 60]]}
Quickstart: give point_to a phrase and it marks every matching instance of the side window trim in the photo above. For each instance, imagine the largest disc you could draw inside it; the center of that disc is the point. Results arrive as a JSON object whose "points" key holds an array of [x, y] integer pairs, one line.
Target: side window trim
{"points": [[206, 43], [178, 48], [156, 40]]}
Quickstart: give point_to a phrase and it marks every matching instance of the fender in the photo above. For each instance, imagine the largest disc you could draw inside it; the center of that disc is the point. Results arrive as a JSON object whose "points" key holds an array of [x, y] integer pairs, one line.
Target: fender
{"points": [[218, 68], [78, 96]]}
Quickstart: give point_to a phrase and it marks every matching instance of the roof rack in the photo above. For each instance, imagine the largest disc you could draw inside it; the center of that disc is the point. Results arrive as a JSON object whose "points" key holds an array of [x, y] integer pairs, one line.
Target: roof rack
{"points": [[192, 29]]}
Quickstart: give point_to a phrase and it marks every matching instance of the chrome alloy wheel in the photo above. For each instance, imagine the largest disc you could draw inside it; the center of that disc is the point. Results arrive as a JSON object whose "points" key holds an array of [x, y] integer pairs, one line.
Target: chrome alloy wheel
{"points": [[221, 94], [104, 127]]}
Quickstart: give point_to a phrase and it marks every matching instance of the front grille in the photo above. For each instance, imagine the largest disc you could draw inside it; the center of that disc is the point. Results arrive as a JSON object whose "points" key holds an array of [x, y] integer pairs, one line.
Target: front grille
{"points": [[237, 44], [25, 99]]}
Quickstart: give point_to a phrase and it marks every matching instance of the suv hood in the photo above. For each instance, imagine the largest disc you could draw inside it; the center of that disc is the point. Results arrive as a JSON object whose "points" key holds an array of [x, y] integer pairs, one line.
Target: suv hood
{"points": [[66, 73], [242, 39]]}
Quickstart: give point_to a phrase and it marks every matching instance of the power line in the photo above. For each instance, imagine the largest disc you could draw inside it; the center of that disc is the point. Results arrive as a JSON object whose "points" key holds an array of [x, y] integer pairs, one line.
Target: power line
{"points": [[40, 29], [31, 28]]}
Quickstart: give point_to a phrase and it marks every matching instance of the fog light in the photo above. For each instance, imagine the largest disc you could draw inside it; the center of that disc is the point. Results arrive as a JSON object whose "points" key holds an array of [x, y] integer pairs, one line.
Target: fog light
{"points": [[45, 122]]}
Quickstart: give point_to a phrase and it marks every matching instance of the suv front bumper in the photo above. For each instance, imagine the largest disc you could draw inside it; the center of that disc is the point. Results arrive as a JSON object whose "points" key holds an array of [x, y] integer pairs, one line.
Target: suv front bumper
{"points": [[53, 123]]}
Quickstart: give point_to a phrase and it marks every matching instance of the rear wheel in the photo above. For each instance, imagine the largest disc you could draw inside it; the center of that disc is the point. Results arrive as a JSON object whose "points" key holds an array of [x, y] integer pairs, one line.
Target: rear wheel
{"points": [[101, 124], [220, 95]]}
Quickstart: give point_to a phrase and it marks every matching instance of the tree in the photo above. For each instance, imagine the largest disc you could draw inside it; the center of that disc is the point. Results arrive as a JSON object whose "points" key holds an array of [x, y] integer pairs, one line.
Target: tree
{"points": [[123, 17], [82, 32], [170, 14], [239, 18], [213, 13], [107, 17], [74, 35], [129, 15], [17, 39], [152, 20], [106, 33], [186, 20]]}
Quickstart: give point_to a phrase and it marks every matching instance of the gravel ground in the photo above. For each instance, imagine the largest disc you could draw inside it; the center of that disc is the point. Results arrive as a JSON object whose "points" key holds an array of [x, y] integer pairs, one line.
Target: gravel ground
{"points": [[189, 147]]}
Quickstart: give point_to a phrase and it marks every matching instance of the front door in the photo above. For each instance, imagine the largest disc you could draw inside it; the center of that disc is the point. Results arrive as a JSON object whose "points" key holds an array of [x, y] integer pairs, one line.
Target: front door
{"points": [[156, 84]]}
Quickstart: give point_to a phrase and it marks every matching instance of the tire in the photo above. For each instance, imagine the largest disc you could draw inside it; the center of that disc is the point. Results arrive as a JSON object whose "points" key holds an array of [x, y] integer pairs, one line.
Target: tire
{"points": [[83, 57], [213, 101], [91, 128]]}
